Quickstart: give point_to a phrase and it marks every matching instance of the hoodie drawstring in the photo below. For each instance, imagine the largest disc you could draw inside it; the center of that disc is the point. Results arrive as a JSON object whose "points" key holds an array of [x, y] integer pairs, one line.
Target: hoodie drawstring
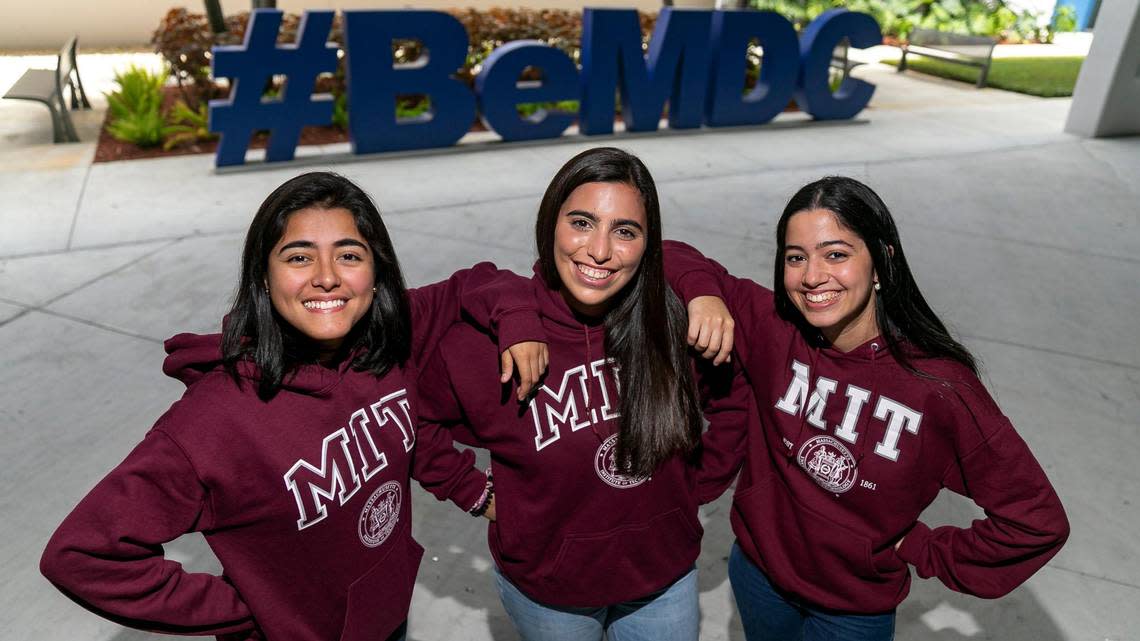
{"points": [[590, 383], [813, 358], [861, 429]]}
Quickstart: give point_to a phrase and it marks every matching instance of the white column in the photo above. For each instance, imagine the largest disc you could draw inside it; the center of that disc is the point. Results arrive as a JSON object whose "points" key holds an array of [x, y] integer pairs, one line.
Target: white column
{"points": [[1106, 100]]}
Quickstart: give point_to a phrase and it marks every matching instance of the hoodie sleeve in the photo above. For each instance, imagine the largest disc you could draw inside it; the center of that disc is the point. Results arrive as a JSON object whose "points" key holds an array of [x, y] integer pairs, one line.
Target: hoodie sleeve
{"points": [[1024, 524], [730, 409], [690, 273], [437, 464], [490, 298], [107, 554]]}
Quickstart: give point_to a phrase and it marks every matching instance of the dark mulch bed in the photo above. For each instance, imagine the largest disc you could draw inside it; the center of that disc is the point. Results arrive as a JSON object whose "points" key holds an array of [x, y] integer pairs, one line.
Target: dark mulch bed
{"points": [[109, 149]]}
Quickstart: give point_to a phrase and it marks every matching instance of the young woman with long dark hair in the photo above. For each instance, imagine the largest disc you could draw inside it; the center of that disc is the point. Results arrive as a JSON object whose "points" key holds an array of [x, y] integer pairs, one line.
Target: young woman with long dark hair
{"points": [[869, 409], [292, 448], [595, 480]]}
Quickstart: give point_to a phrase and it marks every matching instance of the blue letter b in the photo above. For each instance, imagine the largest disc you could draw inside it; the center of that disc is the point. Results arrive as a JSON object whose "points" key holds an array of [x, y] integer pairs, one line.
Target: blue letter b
{"points": [[374, 81]]}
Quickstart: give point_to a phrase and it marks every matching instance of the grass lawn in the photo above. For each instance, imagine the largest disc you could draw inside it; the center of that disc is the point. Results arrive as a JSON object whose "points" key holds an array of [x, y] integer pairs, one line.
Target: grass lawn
{"points": [[1047, 77]]}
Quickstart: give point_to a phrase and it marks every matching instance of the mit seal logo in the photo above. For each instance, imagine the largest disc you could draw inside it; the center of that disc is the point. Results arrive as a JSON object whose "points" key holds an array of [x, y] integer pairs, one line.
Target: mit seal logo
{"points": [[380, 514], [829, 463], [605, 464]]}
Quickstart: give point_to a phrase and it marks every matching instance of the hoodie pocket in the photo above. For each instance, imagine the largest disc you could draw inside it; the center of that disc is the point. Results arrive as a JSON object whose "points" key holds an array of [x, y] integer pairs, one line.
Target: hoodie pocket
{"points": [[378, 602], [625, 562], [806, 552]]}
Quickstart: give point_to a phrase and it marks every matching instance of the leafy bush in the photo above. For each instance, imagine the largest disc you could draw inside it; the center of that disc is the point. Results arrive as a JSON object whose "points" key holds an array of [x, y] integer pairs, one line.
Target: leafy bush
{"points": [[145, 129], [489, 29], [897, 18], [187, 126], [340, 111], [136, 107], [184, 40], [799, 12], [1065, 18], [528, 109], [1030, 28]]}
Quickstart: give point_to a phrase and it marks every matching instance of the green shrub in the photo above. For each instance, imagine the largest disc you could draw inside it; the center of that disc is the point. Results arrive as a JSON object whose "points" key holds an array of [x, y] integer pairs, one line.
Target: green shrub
{"points": [[1030, 29], [799, 12], [340, 111], [412, 106], [897, 18], [184, 40], [136, 107], [139, 91], [528, 109], [1065, 18], [187, 126], [145, 129]]}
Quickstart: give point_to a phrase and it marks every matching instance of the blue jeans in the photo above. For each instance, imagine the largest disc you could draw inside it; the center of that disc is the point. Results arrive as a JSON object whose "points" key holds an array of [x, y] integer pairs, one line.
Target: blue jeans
{"points": [[672, 614], [769, 615]]}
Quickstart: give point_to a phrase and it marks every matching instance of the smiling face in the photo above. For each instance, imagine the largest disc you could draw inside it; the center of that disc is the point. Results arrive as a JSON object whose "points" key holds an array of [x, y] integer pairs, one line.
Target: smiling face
{"points": [[599, 240], [320, 275], [829, 276]]}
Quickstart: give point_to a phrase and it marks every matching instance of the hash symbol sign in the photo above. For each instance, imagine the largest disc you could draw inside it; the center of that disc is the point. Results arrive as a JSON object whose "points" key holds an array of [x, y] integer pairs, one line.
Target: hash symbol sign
{"points": [[250, 66]]}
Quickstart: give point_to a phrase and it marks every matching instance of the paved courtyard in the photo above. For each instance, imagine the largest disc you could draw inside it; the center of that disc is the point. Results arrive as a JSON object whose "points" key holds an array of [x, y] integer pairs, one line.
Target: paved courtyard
{"points": [[1023, 238]]}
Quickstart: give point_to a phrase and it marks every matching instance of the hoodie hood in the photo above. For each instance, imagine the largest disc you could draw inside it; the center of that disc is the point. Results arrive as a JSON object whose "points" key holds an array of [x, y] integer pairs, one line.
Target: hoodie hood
{"points": [[190, 357]]}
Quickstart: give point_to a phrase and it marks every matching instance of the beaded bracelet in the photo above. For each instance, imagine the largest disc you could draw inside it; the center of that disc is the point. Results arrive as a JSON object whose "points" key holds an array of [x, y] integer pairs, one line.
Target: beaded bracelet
{"points": [[484, 501]]}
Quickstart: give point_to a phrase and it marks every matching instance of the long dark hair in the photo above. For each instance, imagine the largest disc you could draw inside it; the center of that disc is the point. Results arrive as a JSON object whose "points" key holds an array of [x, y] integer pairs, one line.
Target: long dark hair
{"points": [[901, 311], [645, 327], [255, 332]]}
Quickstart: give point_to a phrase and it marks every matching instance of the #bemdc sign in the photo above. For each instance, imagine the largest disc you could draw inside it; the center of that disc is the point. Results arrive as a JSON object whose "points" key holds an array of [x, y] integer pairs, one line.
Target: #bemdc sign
{"points": [[695, 64]]}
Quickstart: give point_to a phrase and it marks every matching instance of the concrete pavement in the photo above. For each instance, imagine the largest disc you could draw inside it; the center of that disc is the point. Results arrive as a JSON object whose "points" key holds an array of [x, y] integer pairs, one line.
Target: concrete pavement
{"points": [[1022, 237]]}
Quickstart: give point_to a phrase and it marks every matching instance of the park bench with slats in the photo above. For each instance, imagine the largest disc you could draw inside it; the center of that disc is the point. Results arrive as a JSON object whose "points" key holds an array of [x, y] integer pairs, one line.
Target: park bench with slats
{"points": [[47, 86], [975, 51]]}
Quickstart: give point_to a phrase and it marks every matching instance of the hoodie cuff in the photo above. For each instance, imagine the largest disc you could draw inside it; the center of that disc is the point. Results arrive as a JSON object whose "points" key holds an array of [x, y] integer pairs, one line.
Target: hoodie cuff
{"points": [[468, 491], [519, 326], [914, 545]]}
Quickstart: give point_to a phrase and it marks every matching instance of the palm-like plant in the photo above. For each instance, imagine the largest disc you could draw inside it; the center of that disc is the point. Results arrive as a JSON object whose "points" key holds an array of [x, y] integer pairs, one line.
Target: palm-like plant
{"points": [[136, 107]]}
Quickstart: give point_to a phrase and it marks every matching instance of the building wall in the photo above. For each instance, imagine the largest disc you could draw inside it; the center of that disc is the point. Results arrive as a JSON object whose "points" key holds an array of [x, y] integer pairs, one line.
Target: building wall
{"points": [[46, 24]]}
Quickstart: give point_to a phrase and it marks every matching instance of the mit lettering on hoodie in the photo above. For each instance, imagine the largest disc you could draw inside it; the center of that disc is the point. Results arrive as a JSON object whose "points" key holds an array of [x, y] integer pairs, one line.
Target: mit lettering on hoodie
{"points": [[854, 447], [303, 498], [570, 530]]}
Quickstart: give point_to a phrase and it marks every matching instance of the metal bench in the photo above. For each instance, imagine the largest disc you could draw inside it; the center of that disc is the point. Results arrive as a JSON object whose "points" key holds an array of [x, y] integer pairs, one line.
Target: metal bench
{"points": [[47, 85], [975, 51]]}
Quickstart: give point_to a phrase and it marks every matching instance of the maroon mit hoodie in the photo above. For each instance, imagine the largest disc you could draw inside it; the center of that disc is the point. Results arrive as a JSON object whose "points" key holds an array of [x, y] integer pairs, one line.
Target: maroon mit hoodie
{"points": [[854, 447], [570, 530], [304, 498]]}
